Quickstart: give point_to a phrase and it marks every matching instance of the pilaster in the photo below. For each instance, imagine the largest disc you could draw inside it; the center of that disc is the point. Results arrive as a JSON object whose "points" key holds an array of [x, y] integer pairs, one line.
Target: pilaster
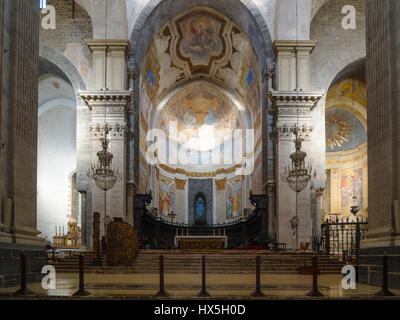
{"points": [[292, 112], [293, 61], [109, 107], [109, 63]]}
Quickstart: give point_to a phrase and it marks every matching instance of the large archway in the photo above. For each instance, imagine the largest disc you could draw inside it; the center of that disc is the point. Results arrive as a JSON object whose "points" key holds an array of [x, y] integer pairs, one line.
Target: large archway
{"points": [[201, 72], [57, 156], [346, 144]]}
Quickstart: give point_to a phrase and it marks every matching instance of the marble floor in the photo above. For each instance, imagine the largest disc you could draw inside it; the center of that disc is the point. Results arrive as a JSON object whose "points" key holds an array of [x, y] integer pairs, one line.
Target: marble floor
{"points": [[236, 286]]}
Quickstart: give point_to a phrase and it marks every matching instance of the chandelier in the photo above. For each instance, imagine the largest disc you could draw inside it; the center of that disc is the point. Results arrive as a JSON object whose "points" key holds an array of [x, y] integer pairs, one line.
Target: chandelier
{"points": [[298, 174], [102, 172]]}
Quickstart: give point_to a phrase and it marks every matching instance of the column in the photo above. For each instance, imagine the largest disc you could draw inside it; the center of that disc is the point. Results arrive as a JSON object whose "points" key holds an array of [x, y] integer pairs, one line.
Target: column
{"points": [[109, 102], [293, 104], [383, 86]]}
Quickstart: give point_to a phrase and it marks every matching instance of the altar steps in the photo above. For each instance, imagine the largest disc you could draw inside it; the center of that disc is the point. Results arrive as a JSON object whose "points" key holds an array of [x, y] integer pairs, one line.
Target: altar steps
{"points": [[234, 262]]}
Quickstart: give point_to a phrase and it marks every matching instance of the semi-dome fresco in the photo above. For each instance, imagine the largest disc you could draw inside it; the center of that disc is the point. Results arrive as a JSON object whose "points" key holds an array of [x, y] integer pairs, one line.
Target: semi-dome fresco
{"points": [[343, 131], [202, 119]]}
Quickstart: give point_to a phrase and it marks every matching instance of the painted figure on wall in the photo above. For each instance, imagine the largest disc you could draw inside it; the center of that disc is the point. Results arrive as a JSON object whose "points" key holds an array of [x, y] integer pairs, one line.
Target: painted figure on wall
{"points": [[200, 208], [234, 201], [200, 38], [351, 184], [166, 196]]}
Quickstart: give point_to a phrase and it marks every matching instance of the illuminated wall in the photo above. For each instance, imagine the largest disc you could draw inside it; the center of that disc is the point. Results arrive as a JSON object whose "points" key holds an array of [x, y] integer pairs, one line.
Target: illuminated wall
{"points": [[346, 147]]}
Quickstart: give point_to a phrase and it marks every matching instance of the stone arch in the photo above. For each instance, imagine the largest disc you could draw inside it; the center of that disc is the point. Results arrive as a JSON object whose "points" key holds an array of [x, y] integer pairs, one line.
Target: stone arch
{"points": [[356, 68], [347, 159], [336, 48], [63, 66], [157, 12]]}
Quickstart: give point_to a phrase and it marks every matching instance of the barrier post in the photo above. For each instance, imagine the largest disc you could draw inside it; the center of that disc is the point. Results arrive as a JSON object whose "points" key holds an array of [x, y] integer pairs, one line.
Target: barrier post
{"points": [[23, 291], [162, 292], [314, 292], [385, 292], [81, 292], [203, 293], [258, 292]]}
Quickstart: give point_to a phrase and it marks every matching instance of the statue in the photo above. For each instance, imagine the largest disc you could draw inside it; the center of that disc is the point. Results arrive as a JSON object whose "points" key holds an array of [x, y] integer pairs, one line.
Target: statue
{"points": [[200, 210]]}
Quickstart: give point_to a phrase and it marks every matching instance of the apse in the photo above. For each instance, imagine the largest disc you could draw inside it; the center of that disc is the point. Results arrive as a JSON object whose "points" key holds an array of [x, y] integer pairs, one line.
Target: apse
{"points": [[200, 85]]}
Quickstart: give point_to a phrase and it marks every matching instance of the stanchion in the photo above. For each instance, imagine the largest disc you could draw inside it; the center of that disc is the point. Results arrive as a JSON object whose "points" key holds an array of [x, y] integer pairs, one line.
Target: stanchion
{"points": [[203, 293], [23, 291], [162, 292], [385, 279], [314, 292], [81, 292], [258, 292]]}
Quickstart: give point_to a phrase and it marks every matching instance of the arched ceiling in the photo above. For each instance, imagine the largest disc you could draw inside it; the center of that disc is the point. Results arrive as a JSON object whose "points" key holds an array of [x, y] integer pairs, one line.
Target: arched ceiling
{"points": [[203, 114], [244, 13], [316, 5], [200, 44]]}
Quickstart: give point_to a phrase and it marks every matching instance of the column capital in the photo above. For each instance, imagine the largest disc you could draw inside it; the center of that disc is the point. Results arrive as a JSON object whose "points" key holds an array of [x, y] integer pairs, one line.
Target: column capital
{"points": [[293, 45], [111, 44], [106, 98]]}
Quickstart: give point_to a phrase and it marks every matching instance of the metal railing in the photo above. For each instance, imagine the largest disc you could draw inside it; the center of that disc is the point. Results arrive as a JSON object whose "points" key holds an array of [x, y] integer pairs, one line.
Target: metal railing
{"points": [[343, 236]]}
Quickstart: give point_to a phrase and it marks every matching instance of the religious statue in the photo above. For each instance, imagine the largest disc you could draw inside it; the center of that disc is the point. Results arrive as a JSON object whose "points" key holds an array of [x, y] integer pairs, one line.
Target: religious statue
{"points": [[199, 208]]}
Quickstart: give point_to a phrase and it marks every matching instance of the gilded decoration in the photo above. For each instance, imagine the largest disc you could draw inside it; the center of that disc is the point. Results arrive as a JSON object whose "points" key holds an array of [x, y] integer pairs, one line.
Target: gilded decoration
{"points": [[339, 128], [191, 174], [352, 88], [180, 184], [220, 184]]}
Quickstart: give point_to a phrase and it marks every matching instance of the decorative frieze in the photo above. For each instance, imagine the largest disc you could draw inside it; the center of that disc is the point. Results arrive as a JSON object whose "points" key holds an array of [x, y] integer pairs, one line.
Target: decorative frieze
{"points": [[116, 129]]}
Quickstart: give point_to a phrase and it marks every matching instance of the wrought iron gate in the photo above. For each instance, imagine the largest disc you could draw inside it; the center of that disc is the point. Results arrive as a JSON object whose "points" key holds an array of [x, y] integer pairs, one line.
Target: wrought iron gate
{"points": [[343, 236]]}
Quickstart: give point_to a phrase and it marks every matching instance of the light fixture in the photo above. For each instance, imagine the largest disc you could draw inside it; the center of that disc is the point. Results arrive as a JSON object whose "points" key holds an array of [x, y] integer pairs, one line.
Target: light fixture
{"points": [[298, 174], [102, 172]]}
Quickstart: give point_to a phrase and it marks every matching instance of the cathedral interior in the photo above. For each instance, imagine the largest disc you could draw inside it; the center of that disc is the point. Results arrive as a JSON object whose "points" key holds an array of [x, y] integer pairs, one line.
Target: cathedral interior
{"points": [[251, 136]]}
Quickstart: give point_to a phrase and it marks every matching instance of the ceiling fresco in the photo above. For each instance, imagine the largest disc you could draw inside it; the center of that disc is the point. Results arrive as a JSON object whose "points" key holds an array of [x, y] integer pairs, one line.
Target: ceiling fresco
{"points": [[200, 44], [343, 131], [203, 116]]}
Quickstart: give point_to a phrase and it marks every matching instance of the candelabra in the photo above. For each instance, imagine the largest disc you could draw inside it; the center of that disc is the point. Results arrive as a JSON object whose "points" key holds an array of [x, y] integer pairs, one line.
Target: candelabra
{"points": [[103, 173], [298, 174]]}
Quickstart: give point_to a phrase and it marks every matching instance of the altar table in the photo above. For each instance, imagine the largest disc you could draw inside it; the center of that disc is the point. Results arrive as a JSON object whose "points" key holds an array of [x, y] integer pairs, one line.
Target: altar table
{"points": [[201, 242]]}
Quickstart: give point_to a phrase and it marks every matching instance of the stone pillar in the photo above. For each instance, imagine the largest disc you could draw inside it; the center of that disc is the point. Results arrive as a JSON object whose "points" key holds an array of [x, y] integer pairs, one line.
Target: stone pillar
{"points": [[292, 104], [317, 211], [109, 63], [109, 107], [19, 65], [383, 87], [291, 73], [109, 103]]}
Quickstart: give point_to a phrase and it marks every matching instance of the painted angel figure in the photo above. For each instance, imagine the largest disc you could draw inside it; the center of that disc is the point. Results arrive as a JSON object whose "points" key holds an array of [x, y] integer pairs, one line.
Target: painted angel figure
{"points": [[203, 37]]}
